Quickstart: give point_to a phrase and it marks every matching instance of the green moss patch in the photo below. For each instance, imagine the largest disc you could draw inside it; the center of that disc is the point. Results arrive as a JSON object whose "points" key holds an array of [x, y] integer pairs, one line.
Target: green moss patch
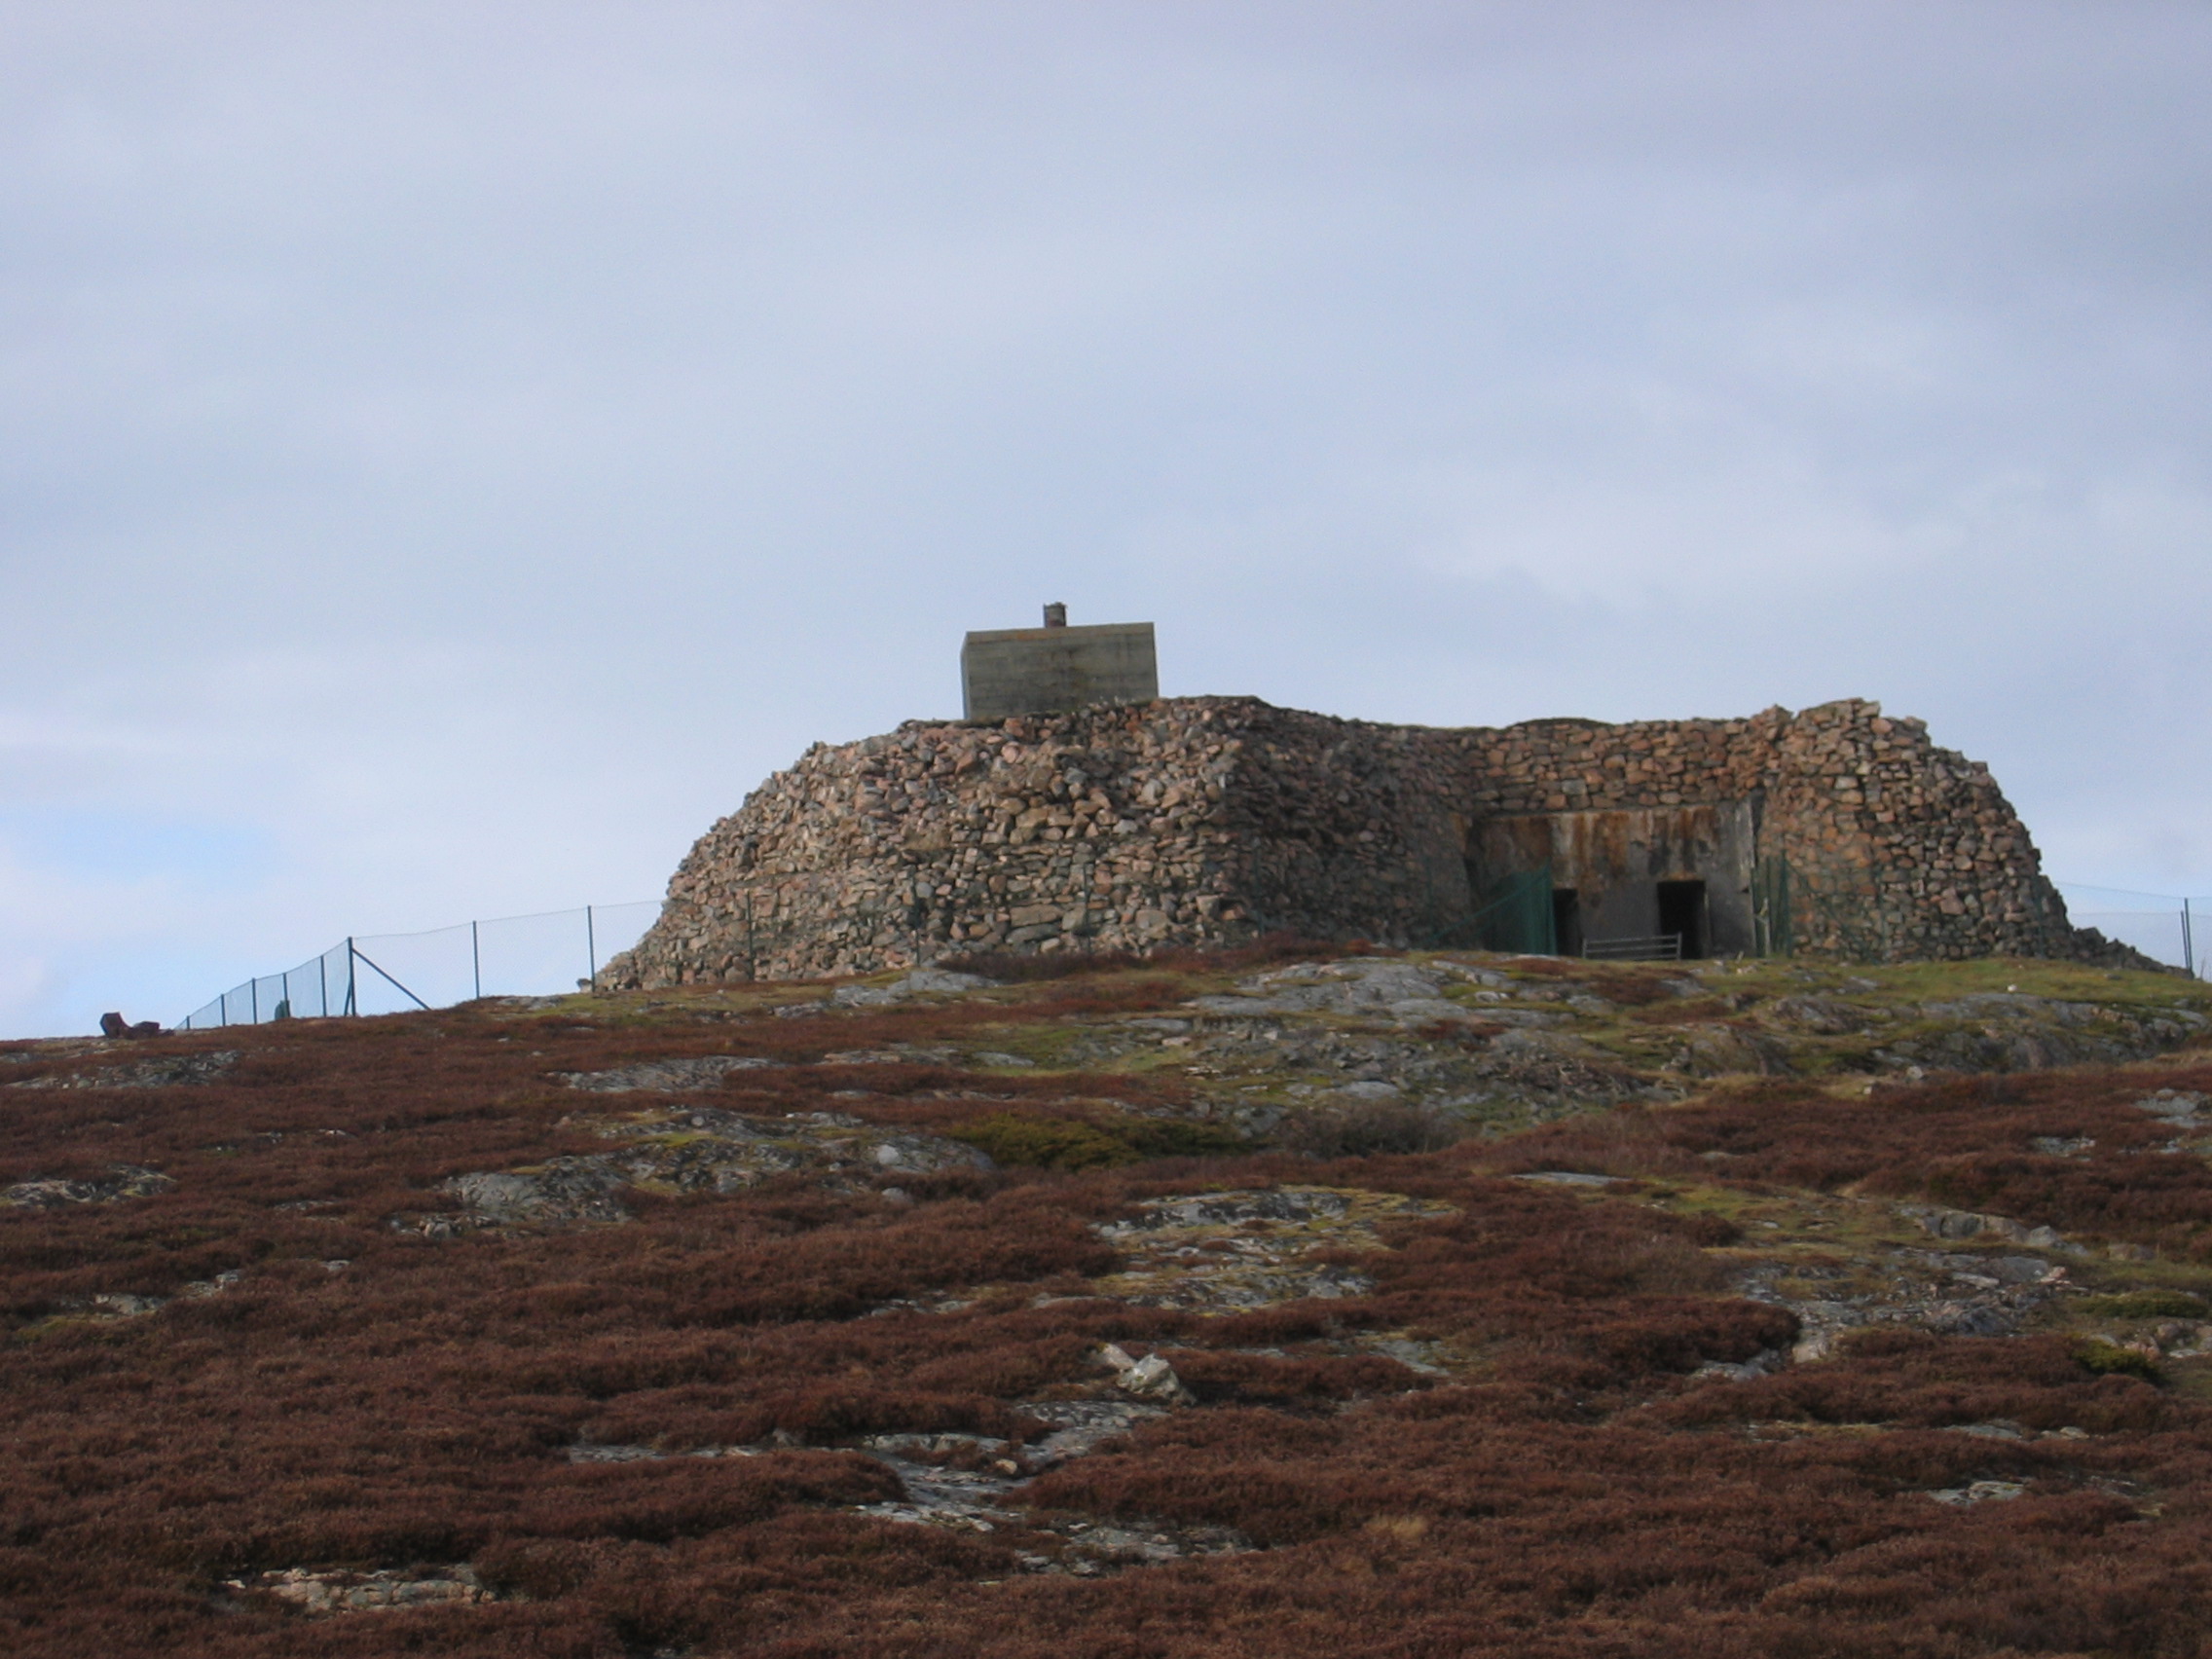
{"points": [[2101, 1358], [2147, 1305]]}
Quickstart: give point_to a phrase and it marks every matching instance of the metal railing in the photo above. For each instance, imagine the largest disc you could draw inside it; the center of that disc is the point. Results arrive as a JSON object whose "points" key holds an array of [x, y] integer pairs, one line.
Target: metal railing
{"points": [[549, 954], [1658, 948]]}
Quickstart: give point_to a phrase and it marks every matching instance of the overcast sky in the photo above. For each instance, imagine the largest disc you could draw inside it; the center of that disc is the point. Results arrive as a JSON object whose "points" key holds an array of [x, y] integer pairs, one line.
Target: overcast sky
{"points": [[450, 453]]}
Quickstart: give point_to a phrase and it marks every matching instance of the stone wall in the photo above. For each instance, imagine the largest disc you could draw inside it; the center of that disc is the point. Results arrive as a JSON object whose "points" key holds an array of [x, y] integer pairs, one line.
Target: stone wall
{"points": [[1904, 850], [1210, 821]]}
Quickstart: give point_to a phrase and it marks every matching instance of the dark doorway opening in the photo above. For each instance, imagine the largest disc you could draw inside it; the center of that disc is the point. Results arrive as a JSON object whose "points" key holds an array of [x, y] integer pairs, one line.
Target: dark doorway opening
{"points": [[1682, 910], [1566, 921]]}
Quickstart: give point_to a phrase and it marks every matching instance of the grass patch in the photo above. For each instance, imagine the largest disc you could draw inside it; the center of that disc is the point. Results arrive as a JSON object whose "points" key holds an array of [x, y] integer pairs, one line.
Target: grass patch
{"points": [[2147, 1305], [2101, 1358]]}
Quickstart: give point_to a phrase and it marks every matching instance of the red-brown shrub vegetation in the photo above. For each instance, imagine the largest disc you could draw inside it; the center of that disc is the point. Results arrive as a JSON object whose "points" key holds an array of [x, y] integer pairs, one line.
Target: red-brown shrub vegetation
{"points": [[1961, 1142], [1572, 1490], [1014, 967]]}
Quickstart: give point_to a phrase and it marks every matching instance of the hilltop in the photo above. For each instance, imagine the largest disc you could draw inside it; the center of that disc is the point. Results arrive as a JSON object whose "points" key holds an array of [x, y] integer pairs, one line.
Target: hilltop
{"points": [[1290, 1301]]}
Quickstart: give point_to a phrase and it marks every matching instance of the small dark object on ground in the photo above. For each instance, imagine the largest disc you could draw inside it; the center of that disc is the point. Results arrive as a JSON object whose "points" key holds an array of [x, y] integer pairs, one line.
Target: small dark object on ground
{"points": [[115, 1025]]}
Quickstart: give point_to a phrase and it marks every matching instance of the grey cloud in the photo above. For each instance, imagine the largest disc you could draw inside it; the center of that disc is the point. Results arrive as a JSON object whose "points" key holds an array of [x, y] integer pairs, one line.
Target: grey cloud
{"points": [[462, 459]]}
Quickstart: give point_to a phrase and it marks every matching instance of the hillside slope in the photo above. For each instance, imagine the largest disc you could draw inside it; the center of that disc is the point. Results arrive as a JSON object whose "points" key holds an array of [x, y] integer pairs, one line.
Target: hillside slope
{"points": [[1261, 1305]]}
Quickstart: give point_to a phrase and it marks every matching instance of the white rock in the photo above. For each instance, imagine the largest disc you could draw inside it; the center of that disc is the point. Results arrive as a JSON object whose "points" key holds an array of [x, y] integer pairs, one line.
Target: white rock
{"points": [[1150, 1377], [944, 979]]}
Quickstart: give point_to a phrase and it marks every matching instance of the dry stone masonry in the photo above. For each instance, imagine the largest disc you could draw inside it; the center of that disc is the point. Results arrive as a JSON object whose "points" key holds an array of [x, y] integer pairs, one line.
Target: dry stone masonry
{"points": [[1208, 821]]}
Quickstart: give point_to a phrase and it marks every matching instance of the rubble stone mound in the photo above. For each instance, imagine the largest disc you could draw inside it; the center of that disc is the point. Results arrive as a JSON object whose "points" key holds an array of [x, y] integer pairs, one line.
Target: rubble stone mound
{"points": [[1210, 821]]}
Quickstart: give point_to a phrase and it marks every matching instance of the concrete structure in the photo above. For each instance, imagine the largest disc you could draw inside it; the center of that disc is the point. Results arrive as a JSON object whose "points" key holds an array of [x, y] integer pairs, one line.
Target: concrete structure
{"points": [[1055, 668], [1209, 822], [1621, 882]]}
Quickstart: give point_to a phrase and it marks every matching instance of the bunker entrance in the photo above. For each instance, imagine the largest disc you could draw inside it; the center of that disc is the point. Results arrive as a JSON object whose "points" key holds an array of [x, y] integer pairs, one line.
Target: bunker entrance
{"points": [[1566, 921], [1632, 884], [1514, 914], [1682, 916]]}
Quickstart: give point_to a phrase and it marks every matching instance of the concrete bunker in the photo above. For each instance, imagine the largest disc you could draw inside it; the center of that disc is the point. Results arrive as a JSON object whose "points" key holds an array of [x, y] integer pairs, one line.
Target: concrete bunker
{"points": [[1128, 823], [1054, 669], [1637, 882]]}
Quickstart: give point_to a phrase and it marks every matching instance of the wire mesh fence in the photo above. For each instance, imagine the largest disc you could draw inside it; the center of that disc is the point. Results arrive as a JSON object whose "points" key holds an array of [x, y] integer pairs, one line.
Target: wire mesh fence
{"points": [[547, 954], [2162, 927], [559, 951]]}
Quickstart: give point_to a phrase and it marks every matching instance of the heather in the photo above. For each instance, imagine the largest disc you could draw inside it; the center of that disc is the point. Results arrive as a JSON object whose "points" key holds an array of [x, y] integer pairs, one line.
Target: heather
{"points": [[1422, 1403]]}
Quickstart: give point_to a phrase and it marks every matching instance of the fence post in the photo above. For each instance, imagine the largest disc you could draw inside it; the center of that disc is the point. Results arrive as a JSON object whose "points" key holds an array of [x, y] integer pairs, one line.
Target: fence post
{"points": [[591, 950], [253, 997], [477, 961], [2188, 942], [322, 979], [352, 979]]}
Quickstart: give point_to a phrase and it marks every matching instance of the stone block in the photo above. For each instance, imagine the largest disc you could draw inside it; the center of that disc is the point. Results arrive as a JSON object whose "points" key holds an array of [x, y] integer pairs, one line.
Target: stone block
{"points": [[1033, 671]]}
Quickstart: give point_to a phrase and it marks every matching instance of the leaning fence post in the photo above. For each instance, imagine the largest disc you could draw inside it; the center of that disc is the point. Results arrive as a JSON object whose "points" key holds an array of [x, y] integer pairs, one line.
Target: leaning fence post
{"points": [[2188, 942], [591, 950], [477, 961], [353, 980]]}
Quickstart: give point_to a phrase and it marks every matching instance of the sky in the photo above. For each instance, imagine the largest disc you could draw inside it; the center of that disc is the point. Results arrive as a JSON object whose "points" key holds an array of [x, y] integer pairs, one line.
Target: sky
{"points": [[451, 453]]}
